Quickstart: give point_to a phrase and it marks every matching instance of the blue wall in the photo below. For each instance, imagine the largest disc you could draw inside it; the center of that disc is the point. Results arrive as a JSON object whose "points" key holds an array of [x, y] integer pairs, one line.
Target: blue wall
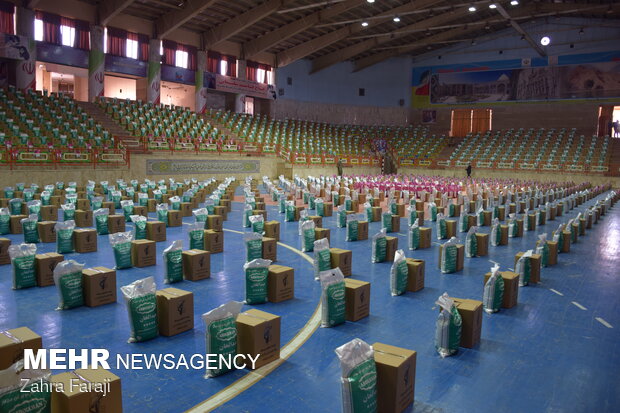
{"points": [[385, 83]]}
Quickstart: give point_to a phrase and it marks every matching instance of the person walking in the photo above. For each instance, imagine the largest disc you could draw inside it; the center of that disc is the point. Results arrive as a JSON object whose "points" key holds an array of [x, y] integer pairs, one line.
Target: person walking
{"points": [[617, 129], [339, 166], [468, 169]]}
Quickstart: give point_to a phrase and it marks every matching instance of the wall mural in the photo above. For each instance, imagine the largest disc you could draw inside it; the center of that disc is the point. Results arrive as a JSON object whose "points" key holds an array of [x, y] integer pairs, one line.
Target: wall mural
{"points": [[591, 76]]}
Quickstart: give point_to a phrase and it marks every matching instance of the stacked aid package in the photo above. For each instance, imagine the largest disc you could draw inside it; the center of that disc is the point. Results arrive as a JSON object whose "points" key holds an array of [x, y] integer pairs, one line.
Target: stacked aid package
{"points": [[359, 377], [448, 327], [142, 309], [221, 333], [493, 291]]}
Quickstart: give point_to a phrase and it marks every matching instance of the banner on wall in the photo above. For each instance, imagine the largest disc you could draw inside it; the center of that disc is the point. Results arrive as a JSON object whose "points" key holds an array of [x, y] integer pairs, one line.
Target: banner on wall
{"points": [[14, 47], [244, 87], [532, 80], [172, 167]]}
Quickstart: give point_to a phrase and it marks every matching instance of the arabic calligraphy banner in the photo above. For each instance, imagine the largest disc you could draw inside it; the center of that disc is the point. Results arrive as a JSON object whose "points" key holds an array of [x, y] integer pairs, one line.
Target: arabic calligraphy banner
{"points": [[173, 167], [245, 87]]}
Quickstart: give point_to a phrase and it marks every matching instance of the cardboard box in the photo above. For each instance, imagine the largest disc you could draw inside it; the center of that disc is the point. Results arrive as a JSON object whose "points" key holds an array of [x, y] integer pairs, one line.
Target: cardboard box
{"points": [[487, 215], [357, 299], [110, 205], [83, 204], [186, 209], [270, 249], [221, 210], [472, 221], [320, 233], [44, 265], [175, 311], [140, 210], [400, 210], [49, 213], [226, 204], [425, 237], [376, 214], [342, 259], [214, 241], [56, 200], [395, 223], [174, 219], [552, 212], [318, 221], [151, 205], [215, 222], [511, 287], [519, 227], [16, 224], [376, 202], [46, 230], [116, 223], [328, 209], [99, 284], [553, 253], [501, 213], [535, 265], [85, 240], [460, 256], [450, 228], [566, 238], [559, 210], [531, 222], [395, 377], [362, 230], [361, 199], [83, 218], [272, 230], [504, 235], [73, 400], [196, 265], [471, 314], [355, 206], [143, 253], [415, 277], [13, 342], [512, 208], [482, 244], [280, 283], [156, 231], [390, 248], [258, 332], [4, 251]]}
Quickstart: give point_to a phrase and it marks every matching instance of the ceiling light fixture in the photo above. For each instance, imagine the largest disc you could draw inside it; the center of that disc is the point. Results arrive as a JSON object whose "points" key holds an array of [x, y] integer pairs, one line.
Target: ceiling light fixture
{"points": [[492, 6], [514, 2], [364, 24], [396, 19], [370, 1], [472, 8], [545, 41]]}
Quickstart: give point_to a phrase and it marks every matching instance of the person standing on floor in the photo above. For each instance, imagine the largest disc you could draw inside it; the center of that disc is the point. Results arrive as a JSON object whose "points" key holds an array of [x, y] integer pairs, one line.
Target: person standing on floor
{"points": [[339, 166], [617, 129], [468, 169]]}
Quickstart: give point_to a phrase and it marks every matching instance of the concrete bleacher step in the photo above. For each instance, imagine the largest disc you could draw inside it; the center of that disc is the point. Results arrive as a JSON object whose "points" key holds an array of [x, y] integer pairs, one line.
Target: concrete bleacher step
{"points": [[132, 143]]}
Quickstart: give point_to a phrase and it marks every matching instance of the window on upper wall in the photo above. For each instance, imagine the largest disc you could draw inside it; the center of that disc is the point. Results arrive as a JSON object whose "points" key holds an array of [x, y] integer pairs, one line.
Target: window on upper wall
{"points": [[67, 35], [181, 59], [38, 30], [132, 49], [223, 67]]}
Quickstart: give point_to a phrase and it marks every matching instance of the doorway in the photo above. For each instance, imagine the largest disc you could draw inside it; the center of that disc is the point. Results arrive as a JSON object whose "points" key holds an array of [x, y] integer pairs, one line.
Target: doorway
{"points": [[608, 121]]}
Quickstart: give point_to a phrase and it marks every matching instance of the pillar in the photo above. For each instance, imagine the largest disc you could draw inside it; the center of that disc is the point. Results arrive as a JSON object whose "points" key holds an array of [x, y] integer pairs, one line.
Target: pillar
{"points": [[153, 77], [201, 88], [26, 70], [240, 97], [96, 64]]}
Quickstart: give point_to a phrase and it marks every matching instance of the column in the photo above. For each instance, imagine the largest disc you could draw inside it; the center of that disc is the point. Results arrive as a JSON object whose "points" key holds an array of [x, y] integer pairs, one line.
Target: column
{"points": [[239, 97], [201, 88], [26, 70], [153, 77], [96, 64]]}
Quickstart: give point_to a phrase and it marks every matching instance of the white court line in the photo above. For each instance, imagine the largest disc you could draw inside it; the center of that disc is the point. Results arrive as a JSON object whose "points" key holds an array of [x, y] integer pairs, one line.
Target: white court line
{"points": [[579, 306], [603, 322], [556, 291]]}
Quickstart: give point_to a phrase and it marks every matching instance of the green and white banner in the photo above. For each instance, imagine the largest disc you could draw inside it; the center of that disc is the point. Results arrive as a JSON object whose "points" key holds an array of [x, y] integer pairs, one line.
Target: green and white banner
{"points": [[172, 167]]}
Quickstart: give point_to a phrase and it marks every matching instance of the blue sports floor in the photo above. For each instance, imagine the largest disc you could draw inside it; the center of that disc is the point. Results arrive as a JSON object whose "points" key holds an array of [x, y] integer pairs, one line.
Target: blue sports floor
{"points": [[550, 353]]}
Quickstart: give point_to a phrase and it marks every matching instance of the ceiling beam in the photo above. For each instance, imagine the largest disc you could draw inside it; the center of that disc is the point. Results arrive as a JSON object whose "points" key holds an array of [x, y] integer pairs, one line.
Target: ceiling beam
{"points": [[424, 41], [529, 12], [171, 21], [351, 51], [107, 10], [219, 33], [30, 4], [255, 46], [520, 30], [307, 48]]}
